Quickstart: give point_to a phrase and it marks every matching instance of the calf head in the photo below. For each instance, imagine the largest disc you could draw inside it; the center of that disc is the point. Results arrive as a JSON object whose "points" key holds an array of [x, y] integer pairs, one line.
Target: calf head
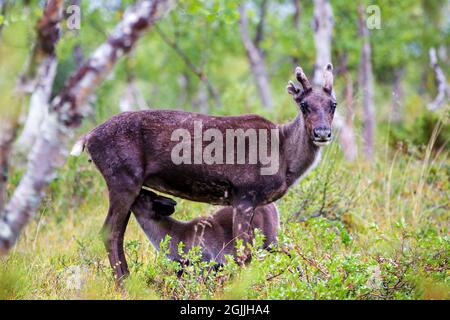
{"points": [[316, 104], [152, 205]]}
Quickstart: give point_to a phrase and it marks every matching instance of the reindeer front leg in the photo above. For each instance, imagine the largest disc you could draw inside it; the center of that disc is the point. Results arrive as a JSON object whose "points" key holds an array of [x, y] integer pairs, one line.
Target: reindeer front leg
{"points": [[242, 219]]}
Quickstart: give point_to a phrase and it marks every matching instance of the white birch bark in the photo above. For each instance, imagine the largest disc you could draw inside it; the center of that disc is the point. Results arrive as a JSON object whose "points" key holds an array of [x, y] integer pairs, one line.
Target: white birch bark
{"points": [[37, 76], [323, 24], [66, 113], [323, 31], [442, 85], [366, 84], [39, 104], [7, 134]]}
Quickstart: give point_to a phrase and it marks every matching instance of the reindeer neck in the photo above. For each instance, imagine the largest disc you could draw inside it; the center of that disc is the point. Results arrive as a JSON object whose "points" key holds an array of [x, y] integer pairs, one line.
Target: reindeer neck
{"points": [[157, 229], [300, 153]]}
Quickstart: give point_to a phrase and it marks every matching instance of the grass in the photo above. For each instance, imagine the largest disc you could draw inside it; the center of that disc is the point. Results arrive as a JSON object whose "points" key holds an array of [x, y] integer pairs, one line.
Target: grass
{"points": [[349, 231]]}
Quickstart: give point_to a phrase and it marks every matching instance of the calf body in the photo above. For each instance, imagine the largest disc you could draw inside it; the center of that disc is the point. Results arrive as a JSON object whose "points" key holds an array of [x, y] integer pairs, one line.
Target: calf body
{"points": [[214, 233]]}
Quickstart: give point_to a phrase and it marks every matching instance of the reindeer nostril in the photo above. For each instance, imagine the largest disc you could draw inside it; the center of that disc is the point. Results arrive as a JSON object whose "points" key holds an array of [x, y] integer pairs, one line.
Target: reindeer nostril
{"points": [[322, 133], [316, 133]]}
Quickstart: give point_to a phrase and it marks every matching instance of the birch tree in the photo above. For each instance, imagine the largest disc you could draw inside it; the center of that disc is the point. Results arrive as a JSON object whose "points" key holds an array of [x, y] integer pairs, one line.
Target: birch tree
{"points": [[255, 54], [296, 26], [66, 113], [443, 94], [366, 84], [323, 30], [40, 72], [345, 124], [37, 80], [397, 95], [132, 98]]}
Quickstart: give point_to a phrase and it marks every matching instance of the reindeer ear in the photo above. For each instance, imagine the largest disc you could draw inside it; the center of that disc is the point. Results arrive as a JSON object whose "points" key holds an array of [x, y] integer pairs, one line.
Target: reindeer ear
{"points": [[328, 78], [301, 77], [164, 206]]}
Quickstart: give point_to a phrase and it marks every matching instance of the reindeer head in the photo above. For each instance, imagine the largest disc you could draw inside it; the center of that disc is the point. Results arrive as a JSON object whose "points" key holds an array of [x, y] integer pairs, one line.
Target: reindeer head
{"points": [[152, 205], [316, 104]]}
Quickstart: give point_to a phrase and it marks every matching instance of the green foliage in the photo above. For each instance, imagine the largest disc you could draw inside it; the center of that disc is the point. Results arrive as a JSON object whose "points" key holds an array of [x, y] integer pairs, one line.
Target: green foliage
{"points": [[417, 134], [349, 230], [380, 234]]}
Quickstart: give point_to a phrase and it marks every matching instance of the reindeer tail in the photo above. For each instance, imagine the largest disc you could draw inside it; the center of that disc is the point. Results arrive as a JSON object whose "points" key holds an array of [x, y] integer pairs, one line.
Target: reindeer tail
{"points": [[78, 147]]}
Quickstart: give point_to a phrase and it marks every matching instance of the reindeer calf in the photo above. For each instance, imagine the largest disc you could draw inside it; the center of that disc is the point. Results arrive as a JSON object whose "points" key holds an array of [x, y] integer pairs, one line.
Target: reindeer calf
{"points": [[214, 234]]}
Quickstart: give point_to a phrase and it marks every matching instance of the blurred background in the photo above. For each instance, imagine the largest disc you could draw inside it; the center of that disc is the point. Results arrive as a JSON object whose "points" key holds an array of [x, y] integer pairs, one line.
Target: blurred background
{"points": [[378, 204]]}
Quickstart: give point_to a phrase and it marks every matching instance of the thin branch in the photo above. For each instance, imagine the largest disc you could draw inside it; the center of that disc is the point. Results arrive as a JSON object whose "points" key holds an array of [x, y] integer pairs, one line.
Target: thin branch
{"points": [[296, 17], [312, 216], [77, 55], [259, 36], [188, 62], [3, 10], [313, 263]]}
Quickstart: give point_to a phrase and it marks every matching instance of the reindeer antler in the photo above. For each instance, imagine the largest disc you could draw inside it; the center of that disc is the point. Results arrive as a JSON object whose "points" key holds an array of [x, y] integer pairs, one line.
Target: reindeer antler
{"points": [[301, 77], [294, 89], [328, 78]]}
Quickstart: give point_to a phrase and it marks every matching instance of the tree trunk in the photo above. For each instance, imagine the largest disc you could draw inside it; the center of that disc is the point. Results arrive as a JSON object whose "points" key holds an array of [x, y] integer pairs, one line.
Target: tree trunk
{"points": [[200, 100], [296, 25], [38, 76], [39, 104], [183, 85], [443, 88], [397, 96], [366, 85], [7, 135], [345, 126], [132, 98], [256, 59], [323, 31], [40, 72], [296, 17], [66, 113]]}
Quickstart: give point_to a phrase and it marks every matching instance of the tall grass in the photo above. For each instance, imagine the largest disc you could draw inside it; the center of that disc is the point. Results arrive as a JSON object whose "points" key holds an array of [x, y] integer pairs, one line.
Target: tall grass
{"points": [[349, 231]]}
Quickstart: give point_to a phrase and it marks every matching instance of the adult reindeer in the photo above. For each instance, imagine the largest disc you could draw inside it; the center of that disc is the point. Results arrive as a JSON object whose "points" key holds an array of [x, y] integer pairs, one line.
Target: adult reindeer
{"points": [[135, 149]]}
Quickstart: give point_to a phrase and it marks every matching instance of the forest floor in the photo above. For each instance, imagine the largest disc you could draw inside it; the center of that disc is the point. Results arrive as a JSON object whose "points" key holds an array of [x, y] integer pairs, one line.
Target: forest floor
{"points": [[348, 231]]}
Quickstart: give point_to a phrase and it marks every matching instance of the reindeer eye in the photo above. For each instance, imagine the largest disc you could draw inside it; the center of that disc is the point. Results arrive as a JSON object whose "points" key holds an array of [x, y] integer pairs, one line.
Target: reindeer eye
{"points": [[304, 107], [333, 107]]}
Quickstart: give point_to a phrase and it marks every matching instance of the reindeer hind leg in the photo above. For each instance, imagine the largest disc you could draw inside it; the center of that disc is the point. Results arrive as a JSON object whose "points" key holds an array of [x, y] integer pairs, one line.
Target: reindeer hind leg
{"points": [[120, 201]]}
